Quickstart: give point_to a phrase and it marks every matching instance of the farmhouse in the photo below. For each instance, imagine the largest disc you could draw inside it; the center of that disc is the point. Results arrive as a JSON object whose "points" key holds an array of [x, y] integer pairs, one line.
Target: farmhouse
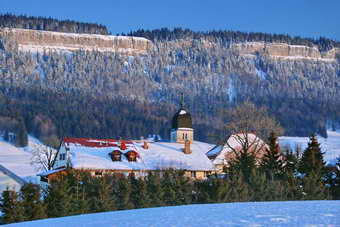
{"points": [[221, 155], [137, 157]]}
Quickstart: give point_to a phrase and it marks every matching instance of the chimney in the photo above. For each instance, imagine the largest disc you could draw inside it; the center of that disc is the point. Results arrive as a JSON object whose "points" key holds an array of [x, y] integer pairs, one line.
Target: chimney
{"points": [[187, 147], [145, 145], [122, 145]]}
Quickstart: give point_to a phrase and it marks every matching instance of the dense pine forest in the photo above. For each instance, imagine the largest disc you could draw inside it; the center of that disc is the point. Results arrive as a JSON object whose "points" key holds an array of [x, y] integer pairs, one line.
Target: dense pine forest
{"points": [[96, 94]]}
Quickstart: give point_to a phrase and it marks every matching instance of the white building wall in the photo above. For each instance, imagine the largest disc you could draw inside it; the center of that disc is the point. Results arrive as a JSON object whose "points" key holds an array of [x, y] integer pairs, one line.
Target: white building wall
{"points": [[61, 162], [7, 182]]}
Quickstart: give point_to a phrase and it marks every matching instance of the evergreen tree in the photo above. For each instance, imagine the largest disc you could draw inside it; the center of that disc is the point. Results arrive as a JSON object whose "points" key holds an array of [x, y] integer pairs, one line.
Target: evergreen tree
{"points": [[6, 136], [244, 163], [58, 199], [290, 163], [11, 207], [313, 187], [169, 194], [139, 195], [239, 188], [31, 201], [123, 193], [103, 198], [312, 158], [334, 180], [272, 163], [21, 137], [258, 185], [154, 189]]}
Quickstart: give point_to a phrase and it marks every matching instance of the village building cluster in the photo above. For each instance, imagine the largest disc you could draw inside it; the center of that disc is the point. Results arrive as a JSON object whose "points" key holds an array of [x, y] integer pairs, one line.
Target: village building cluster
{"points": [[197, 159]]}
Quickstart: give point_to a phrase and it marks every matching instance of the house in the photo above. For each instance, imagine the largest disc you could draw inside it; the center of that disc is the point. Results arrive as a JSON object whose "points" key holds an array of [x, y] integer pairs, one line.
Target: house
{"points": [[221, 155], [138, 158]]}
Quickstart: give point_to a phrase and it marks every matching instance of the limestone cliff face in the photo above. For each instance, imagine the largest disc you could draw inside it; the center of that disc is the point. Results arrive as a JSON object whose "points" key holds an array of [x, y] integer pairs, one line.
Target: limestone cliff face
{"points": [[284, 50], [33, 40]]}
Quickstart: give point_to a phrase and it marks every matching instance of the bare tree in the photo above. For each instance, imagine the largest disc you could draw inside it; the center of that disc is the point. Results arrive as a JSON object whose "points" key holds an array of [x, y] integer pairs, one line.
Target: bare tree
{"points": [[43, 157], [248, 128]]}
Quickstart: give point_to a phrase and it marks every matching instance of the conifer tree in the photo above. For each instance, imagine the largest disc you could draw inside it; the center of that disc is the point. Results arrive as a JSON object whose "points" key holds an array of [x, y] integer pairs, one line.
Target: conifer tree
{"points": [[123, 193], [244, 163], [21, 137], [58, 199], [259, 186], [11, 207], [312, 158], [334, 180], [272, 163], [239, 189], [290, 163], [314, 188], [105, 195], [31, 201], [139, 195], [154, 189], [169, 194], [219, 190]]}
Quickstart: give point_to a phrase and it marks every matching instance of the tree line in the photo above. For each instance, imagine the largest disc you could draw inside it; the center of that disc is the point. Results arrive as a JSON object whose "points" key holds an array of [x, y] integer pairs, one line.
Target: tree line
{"points": [[279, 176], [50, 24], [227, 37]]}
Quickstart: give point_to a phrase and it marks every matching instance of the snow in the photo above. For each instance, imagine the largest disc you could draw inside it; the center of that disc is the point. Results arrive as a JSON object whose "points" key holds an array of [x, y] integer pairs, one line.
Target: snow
{"points": [[231, 91], [18, 160], [182, 112], [290, 213], [262, 75], [159, 155], [330, 145]]}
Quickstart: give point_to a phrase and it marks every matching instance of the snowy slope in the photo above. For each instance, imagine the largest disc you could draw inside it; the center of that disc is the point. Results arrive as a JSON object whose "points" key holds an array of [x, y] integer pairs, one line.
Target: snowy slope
{"points": [[330, 145], [18, 160], [291, 213]]}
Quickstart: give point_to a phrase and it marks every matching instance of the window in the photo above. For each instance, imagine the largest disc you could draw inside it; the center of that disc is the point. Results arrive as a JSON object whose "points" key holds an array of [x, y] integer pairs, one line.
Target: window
{"points": [[62, 156], [131, 156], [193, 174], [116, 155], [98, 173]]}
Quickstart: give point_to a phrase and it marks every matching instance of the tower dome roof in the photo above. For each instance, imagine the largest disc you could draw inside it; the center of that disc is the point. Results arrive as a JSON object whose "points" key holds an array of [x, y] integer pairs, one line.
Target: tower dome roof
{"points": [[181, 119]]}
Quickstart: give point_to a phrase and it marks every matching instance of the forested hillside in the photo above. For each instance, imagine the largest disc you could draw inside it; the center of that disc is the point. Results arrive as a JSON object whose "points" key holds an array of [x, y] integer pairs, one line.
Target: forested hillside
{"points": [[50, 24], [112, 95]]}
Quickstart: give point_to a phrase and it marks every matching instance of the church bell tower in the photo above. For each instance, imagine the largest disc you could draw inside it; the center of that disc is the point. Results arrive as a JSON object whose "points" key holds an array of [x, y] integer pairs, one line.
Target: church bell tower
{"points": [[181, 129]]}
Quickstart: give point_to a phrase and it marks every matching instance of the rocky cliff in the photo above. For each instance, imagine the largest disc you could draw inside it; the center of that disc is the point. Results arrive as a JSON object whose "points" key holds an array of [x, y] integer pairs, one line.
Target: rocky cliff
{"points": [[284, 50], [33, 40]]}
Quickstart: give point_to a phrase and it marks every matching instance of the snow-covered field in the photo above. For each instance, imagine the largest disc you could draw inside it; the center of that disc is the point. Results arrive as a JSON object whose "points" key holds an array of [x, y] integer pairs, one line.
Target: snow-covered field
{"points": [[330, 145], [291, 213]]}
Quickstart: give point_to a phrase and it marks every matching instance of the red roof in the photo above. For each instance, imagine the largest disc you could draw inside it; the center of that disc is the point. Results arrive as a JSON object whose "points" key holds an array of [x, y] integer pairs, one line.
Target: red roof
{"points": [[88, 142]]}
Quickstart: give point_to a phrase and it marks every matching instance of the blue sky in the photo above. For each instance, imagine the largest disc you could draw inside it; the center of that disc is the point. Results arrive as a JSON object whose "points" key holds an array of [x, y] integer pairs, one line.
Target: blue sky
{"points": [[307, 18]]}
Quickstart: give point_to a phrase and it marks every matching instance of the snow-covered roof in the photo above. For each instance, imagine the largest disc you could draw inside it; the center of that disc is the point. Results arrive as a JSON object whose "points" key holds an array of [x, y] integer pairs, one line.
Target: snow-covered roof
{"points": [[159, 155], [219, 153], [182, 112]]}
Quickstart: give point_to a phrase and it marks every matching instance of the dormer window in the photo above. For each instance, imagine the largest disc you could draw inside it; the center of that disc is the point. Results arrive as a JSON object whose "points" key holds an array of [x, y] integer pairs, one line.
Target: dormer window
{"points": [[131, 156], [116, 155]]}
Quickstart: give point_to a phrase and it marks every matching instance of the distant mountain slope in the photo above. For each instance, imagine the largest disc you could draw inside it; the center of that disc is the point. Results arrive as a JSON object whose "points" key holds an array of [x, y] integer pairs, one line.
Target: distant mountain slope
{"points": [[297, 79], [290, 213]]}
